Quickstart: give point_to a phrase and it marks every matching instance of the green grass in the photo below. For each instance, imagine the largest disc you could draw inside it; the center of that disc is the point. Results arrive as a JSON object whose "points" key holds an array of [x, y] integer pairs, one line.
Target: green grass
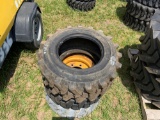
{"points": [[21, 90]]}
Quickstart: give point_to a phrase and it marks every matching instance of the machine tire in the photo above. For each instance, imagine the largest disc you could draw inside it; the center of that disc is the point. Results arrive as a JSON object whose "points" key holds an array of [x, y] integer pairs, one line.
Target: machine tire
{"points": [[77, 88], [7, 44], [140, 11], [146, 82], [134, 23], [37, 29], [151, 42], [70, 113], [148, 72], [82, 5]]}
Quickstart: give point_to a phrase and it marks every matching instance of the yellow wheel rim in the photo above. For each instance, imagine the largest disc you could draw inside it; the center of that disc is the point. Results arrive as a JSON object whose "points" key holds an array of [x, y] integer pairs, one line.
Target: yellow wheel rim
{"points": [[78, 61]]}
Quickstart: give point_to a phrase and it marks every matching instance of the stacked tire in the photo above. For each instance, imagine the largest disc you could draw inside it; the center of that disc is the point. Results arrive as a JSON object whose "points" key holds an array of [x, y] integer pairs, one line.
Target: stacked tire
{"points": [[82, 5], [139, 12], [71, 86], [146, 64]]}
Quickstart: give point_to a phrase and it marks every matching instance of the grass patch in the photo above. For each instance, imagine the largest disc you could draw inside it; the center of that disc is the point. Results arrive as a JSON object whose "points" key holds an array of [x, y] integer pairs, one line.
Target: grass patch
{"points": [[21, 90]]}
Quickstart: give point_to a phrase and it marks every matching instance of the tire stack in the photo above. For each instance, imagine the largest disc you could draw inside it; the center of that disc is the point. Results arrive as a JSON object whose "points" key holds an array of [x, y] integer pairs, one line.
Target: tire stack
{"points": [[146, 64], [71, 90], [82, 5], [139, 12]]}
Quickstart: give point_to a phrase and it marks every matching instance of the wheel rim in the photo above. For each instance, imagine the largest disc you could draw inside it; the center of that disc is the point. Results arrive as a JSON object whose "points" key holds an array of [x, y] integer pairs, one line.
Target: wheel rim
{"points": [[78, 61], [37, 29]]}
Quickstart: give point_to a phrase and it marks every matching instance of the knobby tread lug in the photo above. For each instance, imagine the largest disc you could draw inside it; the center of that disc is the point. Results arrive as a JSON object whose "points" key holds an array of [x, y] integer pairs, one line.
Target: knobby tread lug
{"points": [[75, 107], [138, 76], [63, 104], [149, 59], [86, 105], [143, 87], [82, 103], [70, 103], [144, 47], [150, 96], [153, 70], [135, 23]]}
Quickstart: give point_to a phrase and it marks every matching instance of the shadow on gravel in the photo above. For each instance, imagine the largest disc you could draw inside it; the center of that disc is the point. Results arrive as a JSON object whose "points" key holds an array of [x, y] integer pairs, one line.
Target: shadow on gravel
{"points": [[9, 66], [124, 72]]}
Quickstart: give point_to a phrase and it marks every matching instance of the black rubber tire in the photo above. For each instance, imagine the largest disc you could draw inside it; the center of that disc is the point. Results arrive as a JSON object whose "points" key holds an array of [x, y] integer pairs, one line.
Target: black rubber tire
{"points": [[140, 11], [70, 113], [149, 3], [151, 43], [5, 48], [37, 29], [77, 88], [82, 5], [135, 23], [148, 73], [146, 82]]}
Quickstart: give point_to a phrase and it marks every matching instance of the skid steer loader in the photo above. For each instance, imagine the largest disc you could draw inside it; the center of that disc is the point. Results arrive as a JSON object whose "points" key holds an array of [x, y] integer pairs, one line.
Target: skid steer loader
{"points": [[20, 22]]}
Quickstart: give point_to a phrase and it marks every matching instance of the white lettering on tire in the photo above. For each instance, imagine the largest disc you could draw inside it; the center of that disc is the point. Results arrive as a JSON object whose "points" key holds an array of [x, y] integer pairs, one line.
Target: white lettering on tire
{"points": [[113, 60]]}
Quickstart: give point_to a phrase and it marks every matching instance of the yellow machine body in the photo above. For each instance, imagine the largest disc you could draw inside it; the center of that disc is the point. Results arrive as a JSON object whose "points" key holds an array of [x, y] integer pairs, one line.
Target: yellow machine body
{"points": [[8, 12]]}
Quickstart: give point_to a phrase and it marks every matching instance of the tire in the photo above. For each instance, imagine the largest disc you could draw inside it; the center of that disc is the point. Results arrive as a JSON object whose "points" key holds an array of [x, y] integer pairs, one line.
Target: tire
{"points": [[140, 11], [149, 3], [148, 73], [82, 5], [146, 82], [37, 28], [70, 113], [5, 48], [135, 23], [75, 87]]}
